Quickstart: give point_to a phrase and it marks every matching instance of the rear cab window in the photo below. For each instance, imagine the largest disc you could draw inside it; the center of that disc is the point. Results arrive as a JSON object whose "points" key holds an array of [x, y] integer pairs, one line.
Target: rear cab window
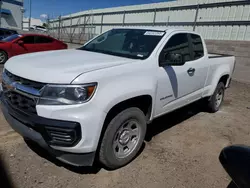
{"points": [[178, 44], [197, 46], [189, 45]]}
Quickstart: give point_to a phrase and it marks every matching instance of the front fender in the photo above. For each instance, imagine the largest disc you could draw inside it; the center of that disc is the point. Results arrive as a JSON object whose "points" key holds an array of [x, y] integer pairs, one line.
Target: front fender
{"points": [[112, 93], [119, 83]]}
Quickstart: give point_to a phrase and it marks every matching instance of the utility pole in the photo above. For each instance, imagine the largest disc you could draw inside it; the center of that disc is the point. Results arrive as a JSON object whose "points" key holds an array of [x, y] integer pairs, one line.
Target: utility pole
{"points": [[196, 17], [30, 14], [22, 10]]}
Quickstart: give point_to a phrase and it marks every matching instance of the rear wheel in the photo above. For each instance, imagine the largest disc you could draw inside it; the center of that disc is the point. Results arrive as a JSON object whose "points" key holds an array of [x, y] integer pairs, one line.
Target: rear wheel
{"points": [[123, 138], [216, 99], [3, 57]]}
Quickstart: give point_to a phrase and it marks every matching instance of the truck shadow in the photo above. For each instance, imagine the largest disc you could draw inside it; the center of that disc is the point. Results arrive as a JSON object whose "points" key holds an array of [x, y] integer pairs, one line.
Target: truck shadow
{"points": [[167, 121], [44, 154], [232, 185], [6, 180]]}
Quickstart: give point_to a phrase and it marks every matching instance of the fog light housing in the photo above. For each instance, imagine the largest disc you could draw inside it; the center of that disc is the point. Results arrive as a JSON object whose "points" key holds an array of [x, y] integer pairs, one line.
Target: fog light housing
{"points": [[66, 137]]}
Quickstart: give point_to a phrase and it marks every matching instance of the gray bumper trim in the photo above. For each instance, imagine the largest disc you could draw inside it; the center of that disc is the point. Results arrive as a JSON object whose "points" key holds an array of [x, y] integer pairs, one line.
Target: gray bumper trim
{"points": [[75, 159]]}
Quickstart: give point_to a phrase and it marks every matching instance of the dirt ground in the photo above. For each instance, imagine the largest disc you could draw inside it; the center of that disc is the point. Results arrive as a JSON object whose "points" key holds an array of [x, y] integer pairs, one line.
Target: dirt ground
{"points": [[181, 150]]}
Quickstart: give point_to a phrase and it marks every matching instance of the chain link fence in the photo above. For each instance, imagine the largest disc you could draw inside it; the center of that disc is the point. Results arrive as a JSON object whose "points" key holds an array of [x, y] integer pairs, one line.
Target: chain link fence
{"points": [[78, 33]]}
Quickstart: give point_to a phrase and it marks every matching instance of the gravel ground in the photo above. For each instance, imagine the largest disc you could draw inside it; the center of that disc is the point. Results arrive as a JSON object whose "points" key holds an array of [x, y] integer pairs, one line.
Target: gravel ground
{"points": [[181, 150]]}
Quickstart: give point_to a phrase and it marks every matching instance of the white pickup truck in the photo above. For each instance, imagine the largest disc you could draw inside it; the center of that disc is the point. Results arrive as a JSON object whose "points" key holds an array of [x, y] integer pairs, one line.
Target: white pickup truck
{"points": [[94, 103]]}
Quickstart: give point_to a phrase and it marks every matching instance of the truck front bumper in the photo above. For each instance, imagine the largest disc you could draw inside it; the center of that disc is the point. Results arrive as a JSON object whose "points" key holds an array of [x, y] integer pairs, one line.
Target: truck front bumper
{"points": [[33, 128]]}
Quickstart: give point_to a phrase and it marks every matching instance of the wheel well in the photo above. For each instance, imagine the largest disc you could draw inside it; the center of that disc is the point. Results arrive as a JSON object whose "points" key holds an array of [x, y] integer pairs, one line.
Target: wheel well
{"points": [[224, 79], [143, 102]]}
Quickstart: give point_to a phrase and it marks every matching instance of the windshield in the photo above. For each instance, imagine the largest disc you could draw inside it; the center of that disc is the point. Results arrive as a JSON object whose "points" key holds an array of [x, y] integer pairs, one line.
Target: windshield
{"points": [[11, 38], [131, 43]]}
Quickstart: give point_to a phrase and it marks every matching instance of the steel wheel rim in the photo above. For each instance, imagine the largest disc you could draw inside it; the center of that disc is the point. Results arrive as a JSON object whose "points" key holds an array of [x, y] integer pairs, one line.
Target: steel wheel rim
{"points": [[126, 139], [2, 57], [219, 97]]}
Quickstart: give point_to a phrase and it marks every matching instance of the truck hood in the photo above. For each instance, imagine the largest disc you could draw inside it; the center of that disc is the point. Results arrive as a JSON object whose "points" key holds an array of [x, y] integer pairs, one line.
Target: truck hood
{"points": [[61, 66]]}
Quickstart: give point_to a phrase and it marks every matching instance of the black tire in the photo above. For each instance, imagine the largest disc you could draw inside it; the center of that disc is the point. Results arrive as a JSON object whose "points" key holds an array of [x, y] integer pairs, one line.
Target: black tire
{"points": [[107, 155], [213, 105], [3, 57]]}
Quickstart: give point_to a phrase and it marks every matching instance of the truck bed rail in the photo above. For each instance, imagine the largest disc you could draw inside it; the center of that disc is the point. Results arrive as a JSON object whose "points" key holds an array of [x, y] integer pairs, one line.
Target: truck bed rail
{"points": [[216, 55]]}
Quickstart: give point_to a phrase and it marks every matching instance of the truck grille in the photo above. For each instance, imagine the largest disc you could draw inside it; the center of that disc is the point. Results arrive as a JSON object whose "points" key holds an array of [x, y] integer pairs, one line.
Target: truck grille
{"points": [[23, 81], [21, 102]]}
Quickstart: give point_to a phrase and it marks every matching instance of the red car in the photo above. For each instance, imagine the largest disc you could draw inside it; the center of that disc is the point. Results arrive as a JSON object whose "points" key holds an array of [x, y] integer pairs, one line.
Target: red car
{"points": [[27, 43]]}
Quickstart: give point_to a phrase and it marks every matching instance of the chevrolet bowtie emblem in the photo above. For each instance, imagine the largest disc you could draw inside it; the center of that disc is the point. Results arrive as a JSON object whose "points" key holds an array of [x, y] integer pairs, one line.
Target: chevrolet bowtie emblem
{"points": [[10, 86]]}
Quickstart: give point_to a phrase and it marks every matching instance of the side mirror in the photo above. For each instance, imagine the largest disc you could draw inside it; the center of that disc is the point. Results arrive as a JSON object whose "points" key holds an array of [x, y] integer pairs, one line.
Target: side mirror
{"points": [[174, 59], [20, 42]]}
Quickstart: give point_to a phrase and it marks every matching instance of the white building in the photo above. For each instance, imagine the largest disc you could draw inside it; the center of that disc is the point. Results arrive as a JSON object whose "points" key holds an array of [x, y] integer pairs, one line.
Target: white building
{"points": [[11, 14], [33, 21], [214, 19]]}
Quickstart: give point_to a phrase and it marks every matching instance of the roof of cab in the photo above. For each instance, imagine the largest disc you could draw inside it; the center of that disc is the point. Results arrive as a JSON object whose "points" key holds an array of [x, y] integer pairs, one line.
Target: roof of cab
{"points": [[165, 29]]}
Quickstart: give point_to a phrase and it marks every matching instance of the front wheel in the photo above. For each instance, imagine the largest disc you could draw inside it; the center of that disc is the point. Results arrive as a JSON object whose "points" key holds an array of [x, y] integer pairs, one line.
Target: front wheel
{"points": [[3, 57], [216, 99], [123, 138]]}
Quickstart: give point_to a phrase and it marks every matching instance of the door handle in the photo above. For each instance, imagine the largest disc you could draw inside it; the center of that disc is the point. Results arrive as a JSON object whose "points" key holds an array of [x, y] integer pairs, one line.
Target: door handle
{"points": [[191, 71]]}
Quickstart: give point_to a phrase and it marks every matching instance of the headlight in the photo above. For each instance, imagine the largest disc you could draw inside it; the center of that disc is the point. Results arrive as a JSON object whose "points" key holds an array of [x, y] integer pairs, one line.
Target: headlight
{"points": [[66, 94]]}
